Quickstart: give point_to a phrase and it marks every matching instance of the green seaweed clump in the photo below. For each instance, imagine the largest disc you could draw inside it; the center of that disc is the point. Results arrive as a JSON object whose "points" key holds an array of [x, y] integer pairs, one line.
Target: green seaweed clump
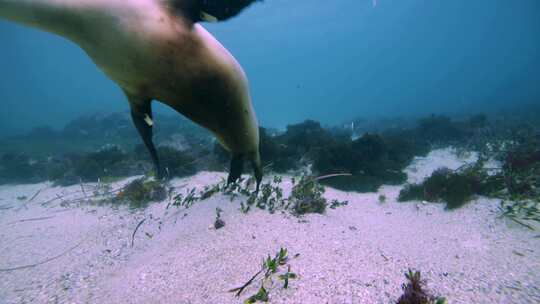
{"points": [[176, 163], [455, 188], [521, 169], [307, 196], [271, 195], [335, 204], [280, 156], [20, 168], [440, 129], [140, 192], [414, 291], [521, 176], [108, 161], [371, 160], [191, 196]]}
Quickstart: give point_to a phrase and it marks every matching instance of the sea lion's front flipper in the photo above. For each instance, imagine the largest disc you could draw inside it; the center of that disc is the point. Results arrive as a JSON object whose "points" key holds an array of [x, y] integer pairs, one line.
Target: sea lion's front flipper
{"points": [[141, 113]]}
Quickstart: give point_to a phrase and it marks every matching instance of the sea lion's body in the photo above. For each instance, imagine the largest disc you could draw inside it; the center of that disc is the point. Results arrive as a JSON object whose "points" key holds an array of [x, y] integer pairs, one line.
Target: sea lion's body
{"points": [[154, 54]]}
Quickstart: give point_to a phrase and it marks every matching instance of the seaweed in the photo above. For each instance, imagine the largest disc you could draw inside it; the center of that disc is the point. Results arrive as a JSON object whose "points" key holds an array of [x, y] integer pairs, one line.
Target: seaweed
{"points": [[191, 196], [335, 204], [478, 121], [280, 157], [440, 129], [372, 160], [271, 195], [455, 188], [307, 196], [521, 178], [21, 168], [516, 182], [301, 138], [270, 267], [414, 291], [292, 149], [186, 200], [107, 161], [140, 192], [521, 211], [521, 169], [176, 163]]}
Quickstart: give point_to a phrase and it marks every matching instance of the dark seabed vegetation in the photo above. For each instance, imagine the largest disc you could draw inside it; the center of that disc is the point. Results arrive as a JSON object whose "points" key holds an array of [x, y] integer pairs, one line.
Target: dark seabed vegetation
{"points": [[357, 155]]}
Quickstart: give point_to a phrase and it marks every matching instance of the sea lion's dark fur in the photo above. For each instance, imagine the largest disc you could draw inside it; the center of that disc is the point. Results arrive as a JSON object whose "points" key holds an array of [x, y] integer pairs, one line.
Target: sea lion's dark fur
{"points": [[222, 10]]}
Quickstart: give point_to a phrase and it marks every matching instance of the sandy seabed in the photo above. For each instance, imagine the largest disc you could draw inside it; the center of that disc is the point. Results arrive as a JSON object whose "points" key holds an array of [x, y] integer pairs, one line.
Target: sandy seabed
{"points": [[353, 254]]}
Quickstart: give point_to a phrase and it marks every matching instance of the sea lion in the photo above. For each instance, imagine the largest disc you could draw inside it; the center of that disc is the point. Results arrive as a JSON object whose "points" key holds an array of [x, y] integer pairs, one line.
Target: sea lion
{"points": [[156, 50]]}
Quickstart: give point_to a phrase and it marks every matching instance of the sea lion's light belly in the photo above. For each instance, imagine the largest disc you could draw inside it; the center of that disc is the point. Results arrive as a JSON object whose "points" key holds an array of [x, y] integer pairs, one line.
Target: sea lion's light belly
{"points": [[136, 57], [188, 70]]}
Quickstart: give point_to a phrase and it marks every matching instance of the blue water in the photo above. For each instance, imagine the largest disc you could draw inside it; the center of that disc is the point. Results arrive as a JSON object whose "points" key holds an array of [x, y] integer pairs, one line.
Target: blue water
{"points": [[324, 60]]}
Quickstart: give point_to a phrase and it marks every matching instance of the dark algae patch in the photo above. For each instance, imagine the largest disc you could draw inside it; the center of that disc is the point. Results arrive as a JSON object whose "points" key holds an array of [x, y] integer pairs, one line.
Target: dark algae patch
{"points": [[140, 192], [444, 185], [307, 196], [515, 181], [372, 160], [359, 158], [415, 291]]}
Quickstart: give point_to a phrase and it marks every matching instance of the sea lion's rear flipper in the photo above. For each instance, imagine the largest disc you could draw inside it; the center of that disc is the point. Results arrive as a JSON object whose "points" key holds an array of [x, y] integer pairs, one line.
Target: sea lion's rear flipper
{"points": [[237, 165], [257, 170], [141, 113]]}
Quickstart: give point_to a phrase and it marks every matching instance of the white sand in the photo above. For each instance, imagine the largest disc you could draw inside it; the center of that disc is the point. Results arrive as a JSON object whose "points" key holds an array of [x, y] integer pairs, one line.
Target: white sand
{"points": [[353, 254]]}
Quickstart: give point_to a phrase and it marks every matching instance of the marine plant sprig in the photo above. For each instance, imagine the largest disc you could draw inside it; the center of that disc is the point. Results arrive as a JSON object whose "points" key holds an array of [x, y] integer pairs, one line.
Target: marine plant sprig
{"points": [[270, 197], [191, 196], [306, 195], [414, 291], [269, 268], [335, 204], [521, 211]]}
